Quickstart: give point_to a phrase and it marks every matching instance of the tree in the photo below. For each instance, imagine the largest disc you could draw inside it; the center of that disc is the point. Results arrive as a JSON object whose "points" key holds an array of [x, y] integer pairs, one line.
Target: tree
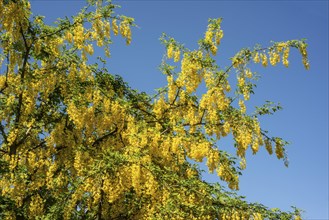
{"points": [[79, 143]]}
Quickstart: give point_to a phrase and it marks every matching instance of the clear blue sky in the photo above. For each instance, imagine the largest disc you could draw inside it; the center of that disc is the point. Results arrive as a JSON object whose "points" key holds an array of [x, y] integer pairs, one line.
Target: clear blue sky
{"points": [[303, 94]]}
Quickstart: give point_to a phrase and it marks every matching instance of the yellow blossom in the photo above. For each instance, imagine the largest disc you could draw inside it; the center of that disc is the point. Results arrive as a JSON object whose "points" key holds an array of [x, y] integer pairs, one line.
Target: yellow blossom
{"points": [[170, 51], [264, 59], [256, 58], [285, 57], [115, 27], [176, 55]]}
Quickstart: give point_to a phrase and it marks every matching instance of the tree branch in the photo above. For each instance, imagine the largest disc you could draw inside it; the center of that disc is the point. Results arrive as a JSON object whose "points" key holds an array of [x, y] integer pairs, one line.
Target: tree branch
{"points": [[99, 140], [100, 204], [3, 133]]}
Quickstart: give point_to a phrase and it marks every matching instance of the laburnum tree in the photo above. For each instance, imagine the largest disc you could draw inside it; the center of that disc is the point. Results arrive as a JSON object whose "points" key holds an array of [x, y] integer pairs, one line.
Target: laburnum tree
{"points": [[78, 143]]}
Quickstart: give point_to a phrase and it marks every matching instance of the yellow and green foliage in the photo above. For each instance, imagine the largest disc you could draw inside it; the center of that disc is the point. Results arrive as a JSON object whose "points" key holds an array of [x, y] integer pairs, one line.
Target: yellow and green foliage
{"points": [[79, 143]]}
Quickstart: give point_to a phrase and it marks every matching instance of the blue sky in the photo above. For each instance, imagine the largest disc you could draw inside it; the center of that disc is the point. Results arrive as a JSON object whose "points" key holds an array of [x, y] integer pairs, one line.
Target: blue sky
{"points": [[303, 94]]}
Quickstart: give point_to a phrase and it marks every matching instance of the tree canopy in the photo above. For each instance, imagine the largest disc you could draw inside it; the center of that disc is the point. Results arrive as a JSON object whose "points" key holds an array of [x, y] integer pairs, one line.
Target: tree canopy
{"points": [[78, 143]]}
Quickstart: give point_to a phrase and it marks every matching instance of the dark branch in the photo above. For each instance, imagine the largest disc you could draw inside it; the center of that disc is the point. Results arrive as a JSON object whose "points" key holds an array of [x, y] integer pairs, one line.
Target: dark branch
{"points": [[99, 140]]}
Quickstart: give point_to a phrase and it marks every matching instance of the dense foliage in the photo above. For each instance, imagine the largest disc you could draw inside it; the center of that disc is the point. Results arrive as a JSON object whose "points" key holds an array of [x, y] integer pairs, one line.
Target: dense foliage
{"points": [[79, 143]]}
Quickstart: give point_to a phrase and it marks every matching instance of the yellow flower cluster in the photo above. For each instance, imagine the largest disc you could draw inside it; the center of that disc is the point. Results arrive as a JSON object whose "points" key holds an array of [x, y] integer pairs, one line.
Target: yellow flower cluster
{"points": [[257, 216], [172, 88], [238, 61], [107, 29], [255, 146], [256, 57], [112, 188], [135, 177], [303, 51], [263, 58], [36, 206], [209, 39], [89, 49], [213, 36], [209, 78], [268, 146], [190, 75], [274, 57], [75, 114], [159, 106], [12, 136], [285, 57], [78, 36], [241, 81], [98, 28], [219, 35], [215, 98], [242, 106], [115, 27], [198, 151], [244, 139], [225, 173], [125, 31], [176, 55], [173, 52], [226, 128], [150, 185], [192, 117], [279, 151], [243, 163], [191, 172], [248, 73], [170, 51]]}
